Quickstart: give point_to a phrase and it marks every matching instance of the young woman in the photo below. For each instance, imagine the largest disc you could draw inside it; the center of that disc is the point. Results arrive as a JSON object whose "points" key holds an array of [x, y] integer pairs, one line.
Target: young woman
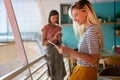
{"points": [[52, 32], [90, 44]]}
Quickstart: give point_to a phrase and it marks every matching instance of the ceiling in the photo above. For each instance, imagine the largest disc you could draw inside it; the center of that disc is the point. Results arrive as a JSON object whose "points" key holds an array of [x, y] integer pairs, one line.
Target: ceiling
{"points": [[92, 1], [67, 1]]}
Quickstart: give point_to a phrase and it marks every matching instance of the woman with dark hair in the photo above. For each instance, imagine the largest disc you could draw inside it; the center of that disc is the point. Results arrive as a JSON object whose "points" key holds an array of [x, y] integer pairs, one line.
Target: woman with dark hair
{"points": [[90, 44], [52, 32]]}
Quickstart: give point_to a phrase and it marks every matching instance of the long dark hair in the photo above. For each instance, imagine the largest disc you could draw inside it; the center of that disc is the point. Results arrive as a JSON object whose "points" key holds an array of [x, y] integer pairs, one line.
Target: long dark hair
{"points": [[52, 13]]}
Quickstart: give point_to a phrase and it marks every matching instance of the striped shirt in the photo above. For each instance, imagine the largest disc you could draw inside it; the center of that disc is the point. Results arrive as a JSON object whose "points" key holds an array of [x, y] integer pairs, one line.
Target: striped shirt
{"points": [[89, 44]]}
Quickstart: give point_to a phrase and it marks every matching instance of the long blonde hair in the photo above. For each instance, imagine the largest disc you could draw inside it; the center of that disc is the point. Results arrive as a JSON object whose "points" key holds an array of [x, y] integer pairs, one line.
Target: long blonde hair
{"points": [[80, 29]]}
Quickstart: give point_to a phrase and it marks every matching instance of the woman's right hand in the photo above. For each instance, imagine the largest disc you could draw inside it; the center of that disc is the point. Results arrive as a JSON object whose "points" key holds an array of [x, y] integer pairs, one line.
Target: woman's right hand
{"points": [[58, 35], [63, 49], [55, 37]]}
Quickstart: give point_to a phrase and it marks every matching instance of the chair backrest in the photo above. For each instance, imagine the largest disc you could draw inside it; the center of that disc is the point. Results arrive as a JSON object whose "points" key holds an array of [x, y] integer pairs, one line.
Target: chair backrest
{"points": [[112, 71]]}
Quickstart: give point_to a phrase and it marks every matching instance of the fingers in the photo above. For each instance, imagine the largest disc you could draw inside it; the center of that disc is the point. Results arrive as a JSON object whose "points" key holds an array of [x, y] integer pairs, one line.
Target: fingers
{"points": [[59, 49], [58, 35]]}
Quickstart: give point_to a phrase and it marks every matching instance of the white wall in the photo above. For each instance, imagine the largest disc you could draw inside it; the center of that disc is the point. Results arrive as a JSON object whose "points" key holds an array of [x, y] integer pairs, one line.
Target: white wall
{"points": [[27, 14], [3, 18], [49, 5]]}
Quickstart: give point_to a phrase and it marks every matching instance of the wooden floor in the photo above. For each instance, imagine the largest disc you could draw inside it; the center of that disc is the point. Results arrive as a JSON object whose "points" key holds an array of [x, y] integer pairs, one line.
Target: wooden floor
{"points": [[9, 59]]}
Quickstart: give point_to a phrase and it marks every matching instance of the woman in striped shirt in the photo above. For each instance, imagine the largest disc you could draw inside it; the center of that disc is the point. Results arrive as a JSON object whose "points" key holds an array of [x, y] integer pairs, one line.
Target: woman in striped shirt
{"points": [[90, 44]]}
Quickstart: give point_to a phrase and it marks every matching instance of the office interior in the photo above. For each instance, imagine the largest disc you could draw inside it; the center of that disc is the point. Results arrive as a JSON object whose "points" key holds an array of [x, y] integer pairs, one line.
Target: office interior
{"points": [[20, 43]]}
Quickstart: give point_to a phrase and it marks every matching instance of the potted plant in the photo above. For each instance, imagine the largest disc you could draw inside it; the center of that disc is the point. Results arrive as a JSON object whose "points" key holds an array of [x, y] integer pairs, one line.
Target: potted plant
{"points": [[118, 17]]}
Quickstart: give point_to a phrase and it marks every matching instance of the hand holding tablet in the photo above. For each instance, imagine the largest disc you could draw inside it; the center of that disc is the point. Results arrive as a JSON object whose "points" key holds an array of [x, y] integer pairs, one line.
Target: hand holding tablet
{"points": [[52, 43], [59, 50]]}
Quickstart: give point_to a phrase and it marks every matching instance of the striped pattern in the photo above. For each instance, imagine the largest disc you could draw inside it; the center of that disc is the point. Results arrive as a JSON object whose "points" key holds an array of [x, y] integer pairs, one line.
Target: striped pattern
{"points": [[89, 44]]}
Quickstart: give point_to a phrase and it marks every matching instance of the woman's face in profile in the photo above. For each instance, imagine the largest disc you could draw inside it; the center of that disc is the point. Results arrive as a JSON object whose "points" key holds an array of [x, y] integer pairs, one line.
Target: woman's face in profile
{"points": [[79, 16], [54, 19]]}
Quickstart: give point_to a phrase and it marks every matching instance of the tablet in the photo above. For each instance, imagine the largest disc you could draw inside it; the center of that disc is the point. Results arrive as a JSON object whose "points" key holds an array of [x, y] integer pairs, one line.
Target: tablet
{"points": [[52, 43]]}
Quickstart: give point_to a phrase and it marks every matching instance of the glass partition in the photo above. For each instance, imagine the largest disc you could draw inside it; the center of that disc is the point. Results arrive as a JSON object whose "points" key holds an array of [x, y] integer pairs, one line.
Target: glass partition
{"points": [[27, 16]]}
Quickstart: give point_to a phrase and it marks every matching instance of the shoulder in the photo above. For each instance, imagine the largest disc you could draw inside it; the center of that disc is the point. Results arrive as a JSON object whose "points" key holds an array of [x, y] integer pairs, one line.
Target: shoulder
{"points": [[45, 27], [92, 29], [59, 27]]}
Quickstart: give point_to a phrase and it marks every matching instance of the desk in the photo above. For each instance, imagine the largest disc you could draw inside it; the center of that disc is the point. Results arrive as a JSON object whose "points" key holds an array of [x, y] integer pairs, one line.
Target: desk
{"points": [[108, 59], [110, 56], [108, 78], [105, 55]]}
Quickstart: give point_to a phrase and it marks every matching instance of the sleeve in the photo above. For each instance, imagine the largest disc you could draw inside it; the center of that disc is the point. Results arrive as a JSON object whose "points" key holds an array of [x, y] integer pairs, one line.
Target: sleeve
{"points": [[44, 29], [60, 28], [93, 42]]}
